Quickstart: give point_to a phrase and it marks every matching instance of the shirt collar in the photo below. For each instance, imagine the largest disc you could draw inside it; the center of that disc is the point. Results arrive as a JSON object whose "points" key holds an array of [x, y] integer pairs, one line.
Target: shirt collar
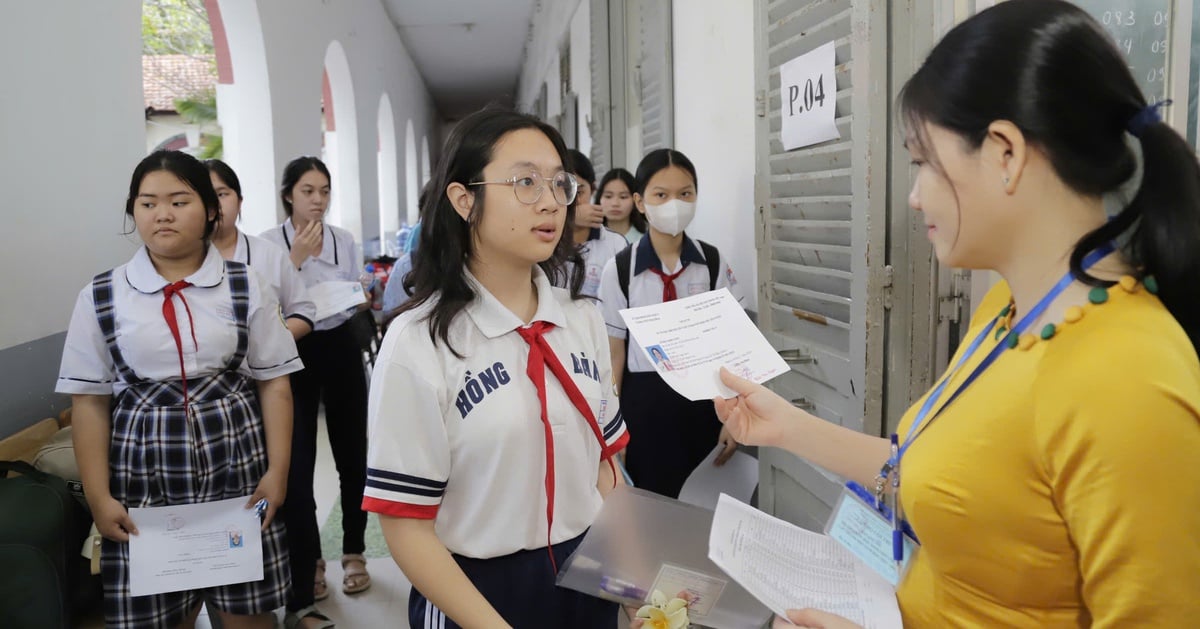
{"points": [[647, 257], [328, 246], [143, 277], [493, 319]]}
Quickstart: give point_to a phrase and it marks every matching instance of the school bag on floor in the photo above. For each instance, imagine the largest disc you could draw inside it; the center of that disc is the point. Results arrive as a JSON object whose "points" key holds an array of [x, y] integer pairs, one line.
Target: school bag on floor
{"points": [[41, 529]]}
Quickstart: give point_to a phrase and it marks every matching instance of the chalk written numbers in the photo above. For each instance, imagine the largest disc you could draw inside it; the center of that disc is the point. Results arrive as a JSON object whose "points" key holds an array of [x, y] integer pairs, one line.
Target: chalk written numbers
{"points": [[808, 97]]}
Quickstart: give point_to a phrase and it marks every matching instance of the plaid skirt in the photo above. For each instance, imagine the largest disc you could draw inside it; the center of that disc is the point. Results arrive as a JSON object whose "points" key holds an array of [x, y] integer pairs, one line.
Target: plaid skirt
{"points": [[163, 455]]}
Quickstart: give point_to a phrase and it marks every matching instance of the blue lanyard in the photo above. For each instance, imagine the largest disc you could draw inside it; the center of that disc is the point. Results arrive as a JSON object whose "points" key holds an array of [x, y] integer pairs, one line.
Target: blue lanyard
{"points": [[1019, 328], [925, 415]]}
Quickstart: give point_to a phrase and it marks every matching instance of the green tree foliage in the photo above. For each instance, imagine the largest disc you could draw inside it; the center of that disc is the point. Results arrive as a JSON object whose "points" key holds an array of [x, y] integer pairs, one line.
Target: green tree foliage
{"points": [[176, 27], [201, 110]]}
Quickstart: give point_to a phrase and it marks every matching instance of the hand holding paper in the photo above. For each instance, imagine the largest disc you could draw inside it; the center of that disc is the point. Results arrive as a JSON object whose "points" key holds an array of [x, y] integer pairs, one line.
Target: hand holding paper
{"points": [[757, 416], [689, 340]]}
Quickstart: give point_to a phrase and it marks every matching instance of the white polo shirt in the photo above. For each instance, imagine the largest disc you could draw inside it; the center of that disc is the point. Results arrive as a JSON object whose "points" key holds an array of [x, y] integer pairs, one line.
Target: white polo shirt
{"points": [[600, 247], [145, 339], [340, 261], [461, 440], [646, 288], [275, 269]]}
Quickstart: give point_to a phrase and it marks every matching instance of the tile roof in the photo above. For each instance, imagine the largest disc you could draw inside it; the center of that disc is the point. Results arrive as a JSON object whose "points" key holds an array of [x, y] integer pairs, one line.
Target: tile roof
{"points": [[167, 77]]}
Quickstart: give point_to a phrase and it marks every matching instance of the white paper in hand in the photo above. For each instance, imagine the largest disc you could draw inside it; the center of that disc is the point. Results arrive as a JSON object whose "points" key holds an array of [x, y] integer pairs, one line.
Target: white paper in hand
{"points": [[689, 340], [787, 567], [334, 297]]}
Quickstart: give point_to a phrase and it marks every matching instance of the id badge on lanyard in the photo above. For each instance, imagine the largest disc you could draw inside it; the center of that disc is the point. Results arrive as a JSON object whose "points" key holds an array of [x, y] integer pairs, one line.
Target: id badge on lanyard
{"points": [[862, 521], [868, 531]]}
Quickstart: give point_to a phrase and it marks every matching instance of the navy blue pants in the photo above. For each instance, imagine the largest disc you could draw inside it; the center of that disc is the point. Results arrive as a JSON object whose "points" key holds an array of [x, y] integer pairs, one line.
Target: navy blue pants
{"points": [[669, 435], [521, 588]]}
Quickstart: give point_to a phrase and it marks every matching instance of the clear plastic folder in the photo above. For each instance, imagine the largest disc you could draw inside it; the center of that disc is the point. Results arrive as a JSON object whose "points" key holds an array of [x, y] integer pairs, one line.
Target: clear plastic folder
{"points": [[643, 542]]}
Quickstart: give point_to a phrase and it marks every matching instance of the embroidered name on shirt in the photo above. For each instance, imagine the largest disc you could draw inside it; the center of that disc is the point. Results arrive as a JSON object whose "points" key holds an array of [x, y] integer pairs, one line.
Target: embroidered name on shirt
{"points": [[479, 387], [585, 367]]}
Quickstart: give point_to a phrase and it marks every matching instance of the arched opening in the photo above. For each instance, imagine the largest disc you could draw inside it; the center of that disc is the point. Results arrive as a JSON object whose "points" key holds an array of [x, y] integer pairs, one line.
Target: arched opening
{"points": [[244, 109], [412, 184], [341, 142], [389, 185]]}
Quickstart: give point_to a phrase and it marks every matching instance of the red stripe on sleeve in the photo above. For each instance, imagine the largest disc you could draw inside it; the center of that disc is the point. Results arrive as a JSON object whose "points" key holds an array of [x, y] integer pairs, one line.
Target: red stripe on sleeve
{"points": [[617, 445], [399, 509]]}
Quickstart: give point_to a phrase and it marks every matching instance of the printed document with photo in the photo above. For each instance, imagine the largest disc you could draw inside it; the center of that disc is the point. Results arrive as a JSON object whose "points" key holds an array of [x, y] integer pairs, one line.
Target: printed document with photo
{"points": [[689, 340], [189, 547]]}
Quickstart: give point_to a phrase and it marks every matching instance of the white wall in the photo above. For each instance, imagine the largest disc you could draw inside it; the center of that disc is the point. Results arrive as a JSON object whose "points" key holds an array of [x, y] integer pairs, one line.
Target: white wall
{"points": [[72, 125], [581, 74], [296, 35], [551, 26], [714, 124]]}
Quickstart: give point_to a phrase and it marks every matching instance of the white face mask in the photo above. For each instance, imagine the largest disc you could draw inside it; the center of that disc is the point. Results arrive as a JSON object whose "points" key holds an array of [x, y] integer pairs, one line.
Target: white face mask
{"points": [[671, 217]]}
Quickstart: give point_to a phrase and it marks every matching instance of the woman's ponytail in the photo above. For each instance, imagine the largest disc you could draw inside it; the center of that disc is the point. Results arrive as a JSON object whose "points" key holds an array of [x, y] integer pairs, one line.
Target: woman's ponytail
{"points": [[1163, 223]]}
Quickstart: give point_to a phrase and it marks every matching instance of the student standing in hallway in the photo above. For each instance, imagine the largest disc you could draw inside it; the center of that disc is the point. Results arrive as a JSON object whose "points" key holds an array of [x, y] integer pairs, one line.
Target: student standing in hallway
{"points": [[493, 426], [597, 245], [177, 366], [615, 196], [269, 261], [671, 434], [1051, 475], [333, 374]]}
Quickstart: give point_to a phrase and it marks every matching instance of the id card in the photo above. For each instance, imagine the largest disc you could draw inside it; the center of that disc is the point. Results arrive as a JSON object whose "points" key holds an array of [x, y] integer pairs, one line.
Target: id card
{"points": [[858, 526]]}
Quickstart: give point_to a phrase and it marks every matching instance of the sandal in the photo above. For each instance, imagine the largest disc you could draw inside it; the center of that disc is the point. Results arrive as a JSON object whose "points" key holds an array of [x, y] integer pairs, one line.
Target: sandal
{"points": [[295, 619], [320, 589], [355, 579]]}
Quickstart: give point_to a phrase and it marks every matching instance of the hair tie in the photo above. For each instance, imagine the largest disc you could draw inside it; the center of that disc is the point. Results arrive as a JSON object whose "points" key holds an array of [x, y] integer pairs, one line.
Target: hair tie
{"points": [[1149, 115]]}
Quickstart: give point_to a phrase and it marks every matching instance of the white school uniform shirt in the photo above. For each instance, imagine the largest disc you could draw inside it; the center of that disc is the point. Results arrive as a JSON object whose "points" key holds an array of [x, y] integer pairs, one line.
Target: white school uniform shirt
{"points": [[145, 339], [461, 440], [597, 250], [275, 268], [646, 288], [340, 261]]}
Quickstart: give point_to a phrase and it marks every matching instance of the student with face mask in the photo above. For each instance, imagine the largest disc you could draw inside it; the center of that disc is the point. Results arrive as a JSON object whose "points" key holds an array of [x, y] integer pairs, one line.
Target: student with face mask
{"points": [[670, 435]]}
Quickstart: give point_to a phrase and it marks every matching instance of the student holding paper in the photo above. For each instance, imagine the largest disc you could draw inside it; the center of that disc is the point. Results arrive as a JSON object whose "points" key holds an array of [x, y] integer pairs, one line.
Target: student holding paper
{"points": [[271, 262], [672, 433], [333, 374], [493, 423], [1052, 478], [177, 366]]}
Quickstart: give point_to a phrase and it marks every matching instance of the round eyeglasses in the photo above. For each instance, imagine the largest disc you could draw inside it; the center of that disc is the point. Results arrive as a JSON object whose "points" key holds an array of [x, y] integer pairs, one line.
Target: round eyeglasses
{"points": [[528, 187]]}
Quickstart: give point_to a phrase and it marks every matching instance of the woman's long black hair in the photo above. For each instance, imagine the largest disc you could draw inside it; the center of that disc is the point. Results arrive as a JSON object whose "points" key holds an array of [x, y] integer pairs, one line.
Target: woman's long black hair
{"points": [[1049, 68], [447, 242]]}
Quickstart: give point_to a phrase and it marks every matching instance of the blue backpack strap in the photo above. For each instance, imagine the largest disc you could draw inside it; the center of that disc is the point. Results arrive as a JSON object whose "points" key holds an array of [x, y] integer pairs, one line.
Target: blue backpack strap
{"points": [[239, 288], [102, 296]]}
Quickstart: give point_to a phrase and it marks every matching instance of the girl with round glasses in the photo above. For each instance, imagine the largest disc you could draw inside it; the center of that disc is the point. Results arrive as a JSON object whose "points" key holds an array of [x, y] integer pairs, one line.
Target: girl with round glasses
{"points": [[492, 422]]}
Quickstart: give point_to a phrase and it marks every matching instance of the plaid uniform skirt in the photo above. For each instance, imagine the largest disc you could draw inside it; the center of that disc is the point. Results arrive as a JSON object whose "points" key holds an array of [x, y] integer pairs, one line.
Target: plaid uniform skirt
{"points": [[165, 453], [161, 455]]}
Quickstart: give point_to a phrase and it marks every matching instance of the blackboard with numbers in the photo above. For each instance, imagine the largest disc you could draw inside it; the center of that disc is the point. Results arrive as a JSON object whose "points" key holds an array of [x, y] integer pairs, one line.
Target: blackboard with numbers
{"points": [[1141, 30]]}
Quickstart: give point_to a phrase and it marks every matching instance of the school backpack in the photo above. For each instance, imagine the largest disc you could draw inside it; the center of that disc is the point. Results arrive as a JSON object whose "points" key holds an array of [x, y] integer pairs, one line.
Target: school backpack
{"points": [[41, 532], [711, 257]]}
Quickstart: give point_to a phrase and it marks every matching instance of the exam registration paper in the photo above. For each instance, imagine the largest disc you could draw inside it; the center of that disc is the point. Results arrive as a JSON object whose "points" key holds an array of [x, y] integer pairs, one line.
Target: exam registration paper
{"points": [[689, 340], [190, 547], [787, 567]]}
